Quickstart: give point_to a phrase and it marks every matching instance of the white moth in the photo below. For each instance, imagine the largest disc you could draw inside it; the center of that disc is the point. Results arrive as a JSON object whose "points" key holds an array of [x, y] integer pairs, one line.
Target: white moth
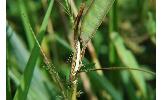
{"points": [[78, 53], [76, 62]]}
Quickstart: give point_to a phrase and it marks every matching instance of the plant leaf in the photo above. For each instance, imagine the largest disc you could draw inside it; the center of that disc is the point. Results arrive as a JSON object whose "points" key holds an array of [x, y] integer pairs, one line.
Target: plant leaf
{"points": [[25, 19], [21, 54], [151, 27], [103, 83], [93, 18], [22, 90], [87, 67], [128, 60], [8, 88]]}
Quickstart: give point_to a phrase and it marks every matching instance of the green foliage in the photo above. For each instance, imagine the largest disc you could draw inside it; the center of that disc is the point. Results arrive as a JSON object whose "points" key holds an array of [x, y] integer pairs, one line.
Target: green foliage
{"points": [[103, 84], [27, 79], [150, 25], [25, 21], [128, 60], [21, 54], [93, 18], [22, 91]]}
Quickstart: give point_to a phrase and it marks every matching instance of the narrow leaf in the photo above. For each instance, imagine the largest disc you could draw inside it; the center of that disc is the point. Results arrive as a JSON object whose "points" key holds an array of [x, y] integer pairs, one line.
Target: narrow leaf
{"points": [[8, 88], [151, 27], [103, 83], [22, 90], [93, 18], [21, 55], [129, 60], [25, 19]]}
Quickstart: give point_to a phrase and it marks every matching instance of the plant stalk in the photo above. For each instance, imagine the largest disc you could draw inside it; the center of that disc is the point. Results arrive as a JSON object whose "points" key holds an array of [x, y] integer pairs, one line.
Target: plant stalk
{"points": [[74, 91]]}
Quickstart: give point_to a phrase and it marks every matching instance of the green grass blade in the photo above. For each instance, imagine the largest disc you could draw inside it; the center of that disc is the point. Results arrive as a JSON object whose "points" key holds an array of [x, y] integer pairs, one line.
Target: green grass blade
{"points": [[112, 26], [129, 60], [93, 18], [21, 54], [22, 90], [25, 19], [151, 27], [60, 40], [127, 83], [8, 90], [101, 82]]}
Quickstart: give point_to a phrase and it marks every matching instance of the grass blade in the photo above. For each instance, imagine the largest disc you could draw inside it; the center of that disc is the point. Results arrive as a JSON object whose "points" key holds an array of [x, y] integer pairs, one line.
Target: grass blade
{"points": [[151, 27], [93, 18], [103, 83], [100, 82], [22, 90], [8, 90], [112, 26], [25, 19], [21, 54], [129, 60]]}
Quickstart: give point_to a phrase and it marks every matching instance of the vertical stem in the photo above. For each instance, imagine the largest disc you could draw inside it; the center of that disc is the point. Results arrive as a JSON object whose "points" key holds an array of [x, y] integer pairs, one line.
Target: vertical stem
{"points": [[93, 54], [74, 91], [142, 9], [113, 18], [112, 27], [74, 82], [8, 88]]}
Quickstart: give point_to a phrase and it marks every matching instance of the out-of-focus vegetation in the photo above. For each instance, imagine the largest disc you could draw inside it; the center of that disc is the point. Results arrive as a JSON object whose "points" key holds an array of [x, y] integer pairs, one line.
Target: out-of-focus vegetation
{"points": [[125, 38]]}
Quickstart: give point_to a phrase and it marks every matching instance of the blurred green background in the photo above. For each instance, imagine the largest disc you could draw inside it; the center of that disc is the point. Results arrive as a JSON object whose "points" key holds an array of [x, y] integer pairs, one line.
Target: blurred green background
{"points": [[126, 37]]}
